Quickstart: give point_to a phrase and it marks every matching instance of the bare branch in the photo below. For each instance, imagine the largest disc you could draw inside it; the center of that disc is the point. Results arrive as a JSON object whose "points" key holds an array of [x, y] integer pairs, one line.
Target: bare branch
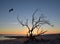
{"points": [[20, 22], [40, 20], [33, 17], [26, 24], [47, 22], [38, 28], [39, 25], [42, 32]]}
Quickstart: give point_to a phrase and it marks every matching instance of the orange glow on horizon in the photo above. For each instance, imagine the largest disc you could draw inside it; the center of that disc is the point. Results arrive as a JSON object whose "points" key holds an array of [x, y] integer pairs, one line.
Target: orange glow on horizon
{"points": [[25, 31]]}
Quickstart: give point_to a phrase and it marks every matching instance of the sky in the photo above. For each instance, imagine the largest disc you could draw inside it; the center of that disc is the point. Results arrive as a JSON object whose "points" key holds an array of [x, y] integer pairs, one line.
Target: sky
{"points": [[24, 9]]}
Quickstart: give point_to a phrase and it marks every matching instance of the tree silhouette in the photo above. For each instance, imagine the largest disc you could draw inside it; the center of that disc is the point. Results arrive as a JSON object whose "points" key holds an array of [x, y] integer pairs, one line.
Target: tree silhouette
{"points": [[35, 24]]}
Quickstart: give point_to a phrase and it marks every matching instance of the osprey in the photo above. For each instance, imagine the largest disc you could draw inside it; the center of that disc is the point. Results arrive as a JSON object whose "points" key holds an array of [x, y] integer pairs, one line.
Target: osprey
{"points": [[10, 9]]}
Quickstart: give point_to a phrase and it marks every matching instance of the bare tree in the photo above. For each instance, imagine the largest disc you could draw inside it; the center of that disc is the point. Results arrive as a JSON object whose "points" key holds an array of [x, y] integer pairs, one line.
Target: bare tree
{"points": [[35, 24]]}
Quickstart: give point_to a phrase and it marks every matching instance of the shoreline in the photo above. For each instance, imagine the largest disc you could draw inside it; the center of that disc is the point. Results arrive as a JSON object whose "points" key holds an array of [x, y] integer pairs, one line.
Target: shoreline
{"points": [[48, 39]]}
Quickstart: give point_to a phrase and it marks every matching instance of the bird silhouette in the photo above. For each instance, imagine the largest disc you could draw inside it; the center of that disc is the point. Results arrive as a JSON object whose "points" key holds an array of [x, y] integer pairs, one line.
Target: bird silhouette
{"points": [[10, 9]]}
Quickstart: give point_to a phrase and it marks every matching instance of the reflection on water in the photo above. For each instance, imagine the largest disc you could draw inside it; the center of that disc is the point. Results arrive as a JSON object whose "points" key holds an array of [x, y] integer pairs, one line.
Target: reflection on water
{"points": [[4, 38]]}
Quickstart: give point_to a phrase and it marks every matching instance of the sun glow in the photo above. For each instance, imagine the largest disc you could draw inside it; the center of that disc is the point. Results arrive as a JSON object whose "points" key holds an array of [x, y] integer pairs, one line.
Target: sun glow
{"points": [[25, 31]]}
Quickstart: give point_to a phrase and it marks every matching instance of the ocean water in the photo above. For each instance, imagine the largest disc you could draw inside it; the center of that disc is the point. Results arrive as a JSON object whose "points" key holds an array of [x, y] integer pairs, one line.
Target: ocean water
{"points": [[4, 38]]}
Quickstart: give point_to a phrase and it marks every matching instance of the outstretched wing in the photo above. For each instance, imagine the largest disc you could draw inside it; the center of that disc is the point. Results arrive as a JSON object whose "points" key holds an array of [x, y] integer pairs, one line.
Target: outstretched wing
{"points": [[10, 9]]}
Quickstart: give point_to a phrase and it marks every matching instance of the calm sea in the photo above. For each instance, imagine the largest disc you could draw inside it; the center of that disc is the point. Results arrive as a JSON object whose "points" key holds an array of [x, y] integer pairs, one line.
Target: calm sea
{"points": [[4, 38]]}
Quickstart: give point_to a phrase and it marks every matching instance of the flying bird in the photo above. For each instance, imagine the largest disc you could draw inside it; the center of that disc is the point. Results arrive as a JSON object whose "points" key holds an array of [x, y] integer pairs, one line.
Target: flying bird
{"points": [[10, 9]]}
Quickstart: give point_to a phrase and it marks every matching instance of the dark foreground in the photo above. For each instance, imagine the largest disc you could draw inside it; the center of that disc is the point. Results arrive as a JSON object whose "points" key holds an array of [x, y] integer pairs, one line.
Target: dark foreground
{"points": [[47, 39]]}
